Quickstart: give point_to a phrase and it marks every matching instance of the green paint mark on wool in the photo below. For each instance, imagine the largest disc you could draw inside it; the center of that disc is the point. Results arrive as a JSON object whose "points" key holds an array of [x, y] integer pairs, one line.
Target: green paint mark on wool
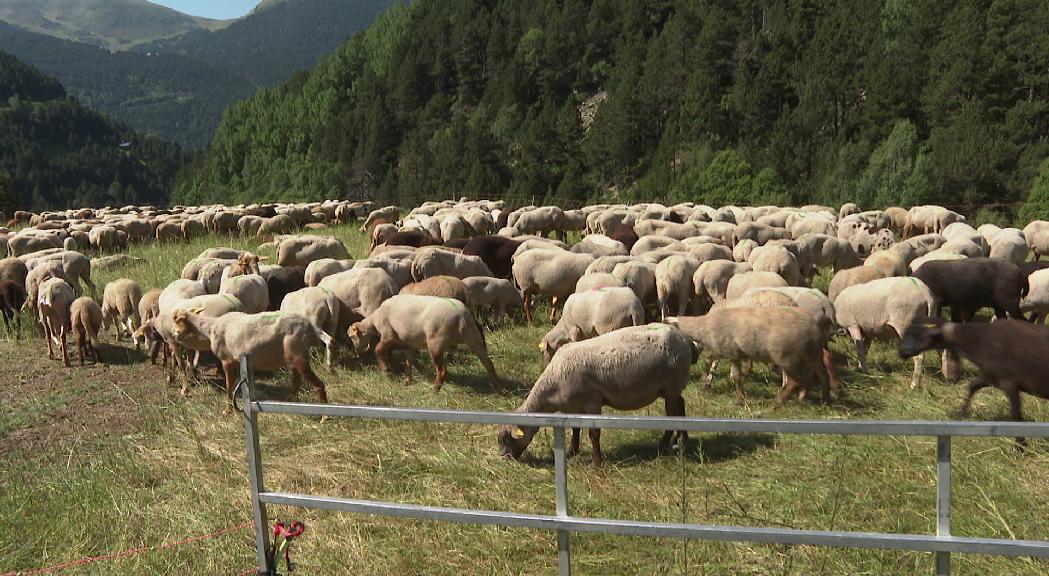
{"points": [[270, 316]]}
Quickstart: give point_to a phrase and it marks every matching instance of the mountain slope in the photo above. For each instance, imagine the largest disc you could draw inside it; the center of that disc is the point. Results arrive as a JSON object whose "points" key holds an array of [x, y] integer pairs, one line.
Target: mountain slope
{"points": [[61, 154], [113, 24], [751, 102], [278, 38]]}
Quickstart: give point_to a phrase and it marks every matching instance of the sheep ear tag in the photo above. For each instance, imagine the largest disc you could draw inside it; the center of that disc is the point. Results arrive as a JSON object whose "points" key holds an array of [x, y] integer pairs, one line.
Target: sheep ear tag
{"points": [[542, 346], [263, 258], [517, 433], [197, 310]]}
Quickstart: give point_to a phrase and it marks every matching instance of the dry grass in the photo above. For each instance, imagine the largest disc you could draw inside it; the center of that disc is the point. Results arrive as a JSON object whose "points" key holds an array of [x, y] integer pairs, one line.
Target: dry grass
{"points": [[105, 458]]}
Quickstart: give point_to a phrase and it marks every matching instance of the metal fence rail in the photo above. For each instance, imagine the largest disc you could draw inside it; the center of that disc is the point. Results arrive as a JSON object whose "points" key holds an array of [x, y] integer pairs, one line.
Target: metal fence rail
{"points": [[942, 543]]}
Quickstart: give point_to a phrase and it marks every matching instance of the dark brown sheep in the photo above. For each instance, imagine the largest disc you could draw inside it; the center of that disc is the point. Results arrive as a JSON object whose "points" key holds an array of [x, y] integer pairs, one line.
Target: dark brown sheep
{"points": [[497, 252]]}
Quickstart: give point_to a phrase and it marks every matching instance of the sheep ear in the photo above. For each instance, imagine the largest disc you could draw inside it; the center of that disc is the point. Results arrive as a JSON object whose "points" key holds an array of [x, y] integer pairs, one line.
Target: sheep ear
{"points": [[517, 433]]}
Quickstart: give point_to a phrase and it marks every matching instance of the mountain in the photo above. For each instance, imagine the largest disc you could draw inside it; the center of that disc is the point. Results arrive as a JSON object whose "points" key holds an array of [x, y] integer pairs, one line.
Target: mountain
{"points": [[178, 88], [112, 24], [759, 101], [58, 153], [276, 39]]}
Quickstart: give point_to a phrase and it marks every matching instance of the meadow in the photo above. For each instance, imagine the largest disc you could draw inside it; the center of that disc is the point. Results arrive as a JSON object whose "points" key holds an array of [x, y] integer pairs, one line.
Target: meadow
{"points": [[107, 457]]}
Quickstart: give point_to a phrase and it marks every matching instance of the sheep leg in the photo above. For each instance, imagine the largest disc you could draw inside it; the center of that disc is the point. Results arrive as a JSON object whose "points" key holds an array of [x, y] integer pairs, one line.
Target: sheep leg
{"points": [[553, 308], [919, 370], [478, 347], [382, 351], [573, 448], [526, 303], [65, 349], [50, 337], [230, 369], [861, 353], [1012, 392], [409, 362], [793, 385], [438, 361], [329, 350], [737, 377], [296, 383], [302, 366], [951, 365], [709, 384], [595, 444], [832, 374], [979, 383]]}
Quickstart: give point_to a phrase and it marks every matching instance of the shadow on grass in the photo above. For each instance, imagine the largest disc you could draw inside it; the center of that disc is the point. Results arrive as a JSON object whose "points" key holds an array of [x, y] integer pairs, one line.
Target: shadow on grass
{"points": [[116, 354], [698, 450]]}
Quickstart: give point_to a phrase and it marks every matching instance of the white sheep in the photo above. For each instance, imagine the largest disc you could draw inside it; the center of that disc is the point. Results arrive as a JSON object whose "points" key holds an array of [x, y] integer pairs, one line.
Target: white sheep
{"points": [[86, 322], [740, 283], [324, 267], [360, 291], [320, 307], [550, 273], [53, 302], [627, 369], [639, 277], [498, 293], [439, 261], [421, 322], [883, 308], [711, 279], [851, 277], [674, 283], [593, 313], [250, 289], [273, 339], [120, 300], [1037, 299]]}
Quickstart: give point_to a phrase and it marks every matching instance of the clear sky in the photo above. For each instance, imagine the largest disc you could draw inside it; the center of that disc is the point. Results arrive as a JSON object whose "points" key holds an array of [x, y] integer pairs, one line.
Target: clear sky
{"points": [[221, 9]]}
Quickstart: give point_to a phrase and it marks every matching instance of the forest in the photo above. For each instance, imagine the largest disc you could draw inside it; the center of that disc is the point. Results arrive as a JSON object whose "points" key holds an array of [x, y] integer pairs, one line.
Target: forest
{"points": [[56, 153], [879, 102]]}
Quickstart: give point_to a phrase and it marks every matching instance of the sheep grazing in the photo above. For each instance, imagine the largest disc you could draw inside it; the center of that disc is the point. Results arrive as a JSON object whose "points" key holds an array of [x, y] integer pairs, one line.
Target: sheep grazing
{"points": [[421, 322], [439, 261], [273, 339], [250, 289], [711, 279], [883, 308], [851, 277], [627, 369], [53, 302], [496, 293], [740, 283], [973, 283], [784, 336], [360, 291], [551, 273], [674, 283], [301, 250], [12, 299], [149, 305], [320, 269], [440, 286], [120, 300], [1011, 355], [321, 308], [496, 251], [86, 320], [593, 313]]}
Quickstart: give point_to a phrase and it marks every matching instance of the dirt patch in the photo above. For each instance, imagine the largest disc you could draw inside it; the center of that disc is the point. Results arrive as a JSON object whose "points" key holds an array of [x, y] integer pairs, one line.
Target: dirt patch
{"points": [[46, 407]]}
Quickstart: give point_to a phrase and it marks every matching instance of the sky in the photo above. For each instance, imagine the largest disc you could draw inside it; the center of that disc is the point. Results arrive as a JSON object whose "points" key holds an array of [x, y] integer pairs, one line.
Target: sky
{"points": [[221, 9]]}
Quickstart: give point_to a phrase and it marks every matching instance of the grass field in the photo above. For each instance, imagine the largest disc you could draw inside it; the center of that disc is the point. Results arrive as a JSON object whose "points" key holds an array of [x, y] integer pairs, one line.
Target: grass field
{"points": [[109, 457]]}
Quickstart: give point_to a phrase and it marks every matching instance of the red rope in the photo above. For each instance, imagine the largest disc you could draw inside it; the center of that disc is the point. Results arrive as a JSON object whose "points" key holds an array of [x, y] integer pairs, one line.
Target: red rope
{"points": [[129, 552]]}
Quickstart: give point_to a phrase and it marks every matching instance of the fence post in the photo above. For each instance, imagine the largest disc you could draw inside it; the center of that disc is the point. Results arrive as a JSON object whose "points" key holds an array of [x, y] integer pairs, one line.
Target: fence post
{"points": [[251, 439], [943, 500], [564, 554]]}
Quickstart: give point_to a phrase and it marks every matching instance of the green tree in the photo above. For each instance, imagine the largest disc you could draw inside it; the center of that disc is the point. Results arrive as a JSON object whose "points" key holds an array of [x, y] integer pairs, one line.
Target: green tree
{"points": [[891, 164], [1037, 205], [8, 199]]}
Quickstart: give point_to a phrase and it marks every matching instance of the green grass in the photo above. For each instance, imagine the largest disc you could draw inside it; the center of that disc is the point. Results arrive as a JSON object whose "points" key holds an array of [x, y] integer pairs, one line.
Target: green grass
{"points": [[104, 458]]}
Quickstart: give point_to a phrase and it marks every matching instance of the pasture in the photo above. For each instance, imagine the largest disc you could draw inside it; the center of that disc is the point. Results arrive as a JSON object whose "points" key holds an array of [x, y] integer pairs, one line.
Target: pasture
{"points": [[110, 456]]}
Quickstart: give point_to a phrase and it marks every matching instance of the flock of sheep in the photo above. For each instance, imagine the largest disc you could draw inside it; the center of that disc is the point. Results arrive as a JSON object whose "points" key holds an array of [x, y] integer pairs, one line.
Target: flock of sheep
{"points": [[642, 295]]}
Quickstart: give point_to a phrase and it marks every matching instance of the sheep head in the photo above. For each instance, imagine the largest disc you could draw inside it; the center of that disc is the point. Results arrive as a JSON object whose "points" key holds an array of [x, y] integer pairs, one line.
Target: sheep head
{"points": [[183, 322], [924, 334], [248, 263], [362, 336], [514, 440]]}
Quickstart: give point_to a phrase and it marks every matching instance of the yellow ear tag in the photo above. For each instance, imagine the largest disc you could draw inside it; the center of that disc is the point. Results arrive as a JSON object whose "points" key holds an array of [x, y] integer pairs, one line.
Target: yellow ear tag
{"points": [[517, 433], [542, 345], [197, 310]]}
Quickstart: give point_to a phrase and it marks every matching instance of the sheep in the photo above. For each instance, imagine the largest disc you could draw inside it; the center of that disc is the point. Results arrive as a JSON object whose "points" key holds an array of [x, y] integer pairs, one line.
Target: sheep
{"points": [[606, 264], [321, 308], [1011, 355], [250, 289], [495, 292], [158, 331], [1009, 244], [495, 251], [600, 245], [759, 233], [784, 336], [639, 277], [388, 213], [740, 283], [12, 299], [301, 250], [542, 220], [973, 283], [176, 292], [779, 260], [281, 281], [75, 265], [41, 273], [53, 302], [440, 286], [437, 261], [273, 339], [13, 269], [360, 291], [889, 262], [399, 270], [550, 273], [415, 238], [934, 255], [593, 313], [1036, 301], [674, 281], [421, 322], [86, 322], [320, 269], [120, 300], [627, 369], [594, 280], [851, 277], [711, 279], [820, 250], [883, 308]]}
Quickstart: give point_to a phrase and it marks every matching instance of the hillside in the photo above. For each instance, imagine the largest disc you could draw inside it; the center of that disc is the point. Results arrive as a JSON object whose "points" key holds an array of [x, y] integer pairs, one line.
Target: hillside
{"points": [[879, 103], [112, 24], [178, 89], [59, 153], [278, 38]]}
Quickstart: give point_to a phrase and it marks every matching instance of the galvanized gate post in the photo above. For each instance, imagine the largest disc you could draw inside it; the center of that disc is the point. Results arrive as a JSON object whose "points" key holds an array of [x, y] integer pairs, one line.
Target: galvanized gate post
{"points": [[943, 500], [251, 437], [564, 554]]}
